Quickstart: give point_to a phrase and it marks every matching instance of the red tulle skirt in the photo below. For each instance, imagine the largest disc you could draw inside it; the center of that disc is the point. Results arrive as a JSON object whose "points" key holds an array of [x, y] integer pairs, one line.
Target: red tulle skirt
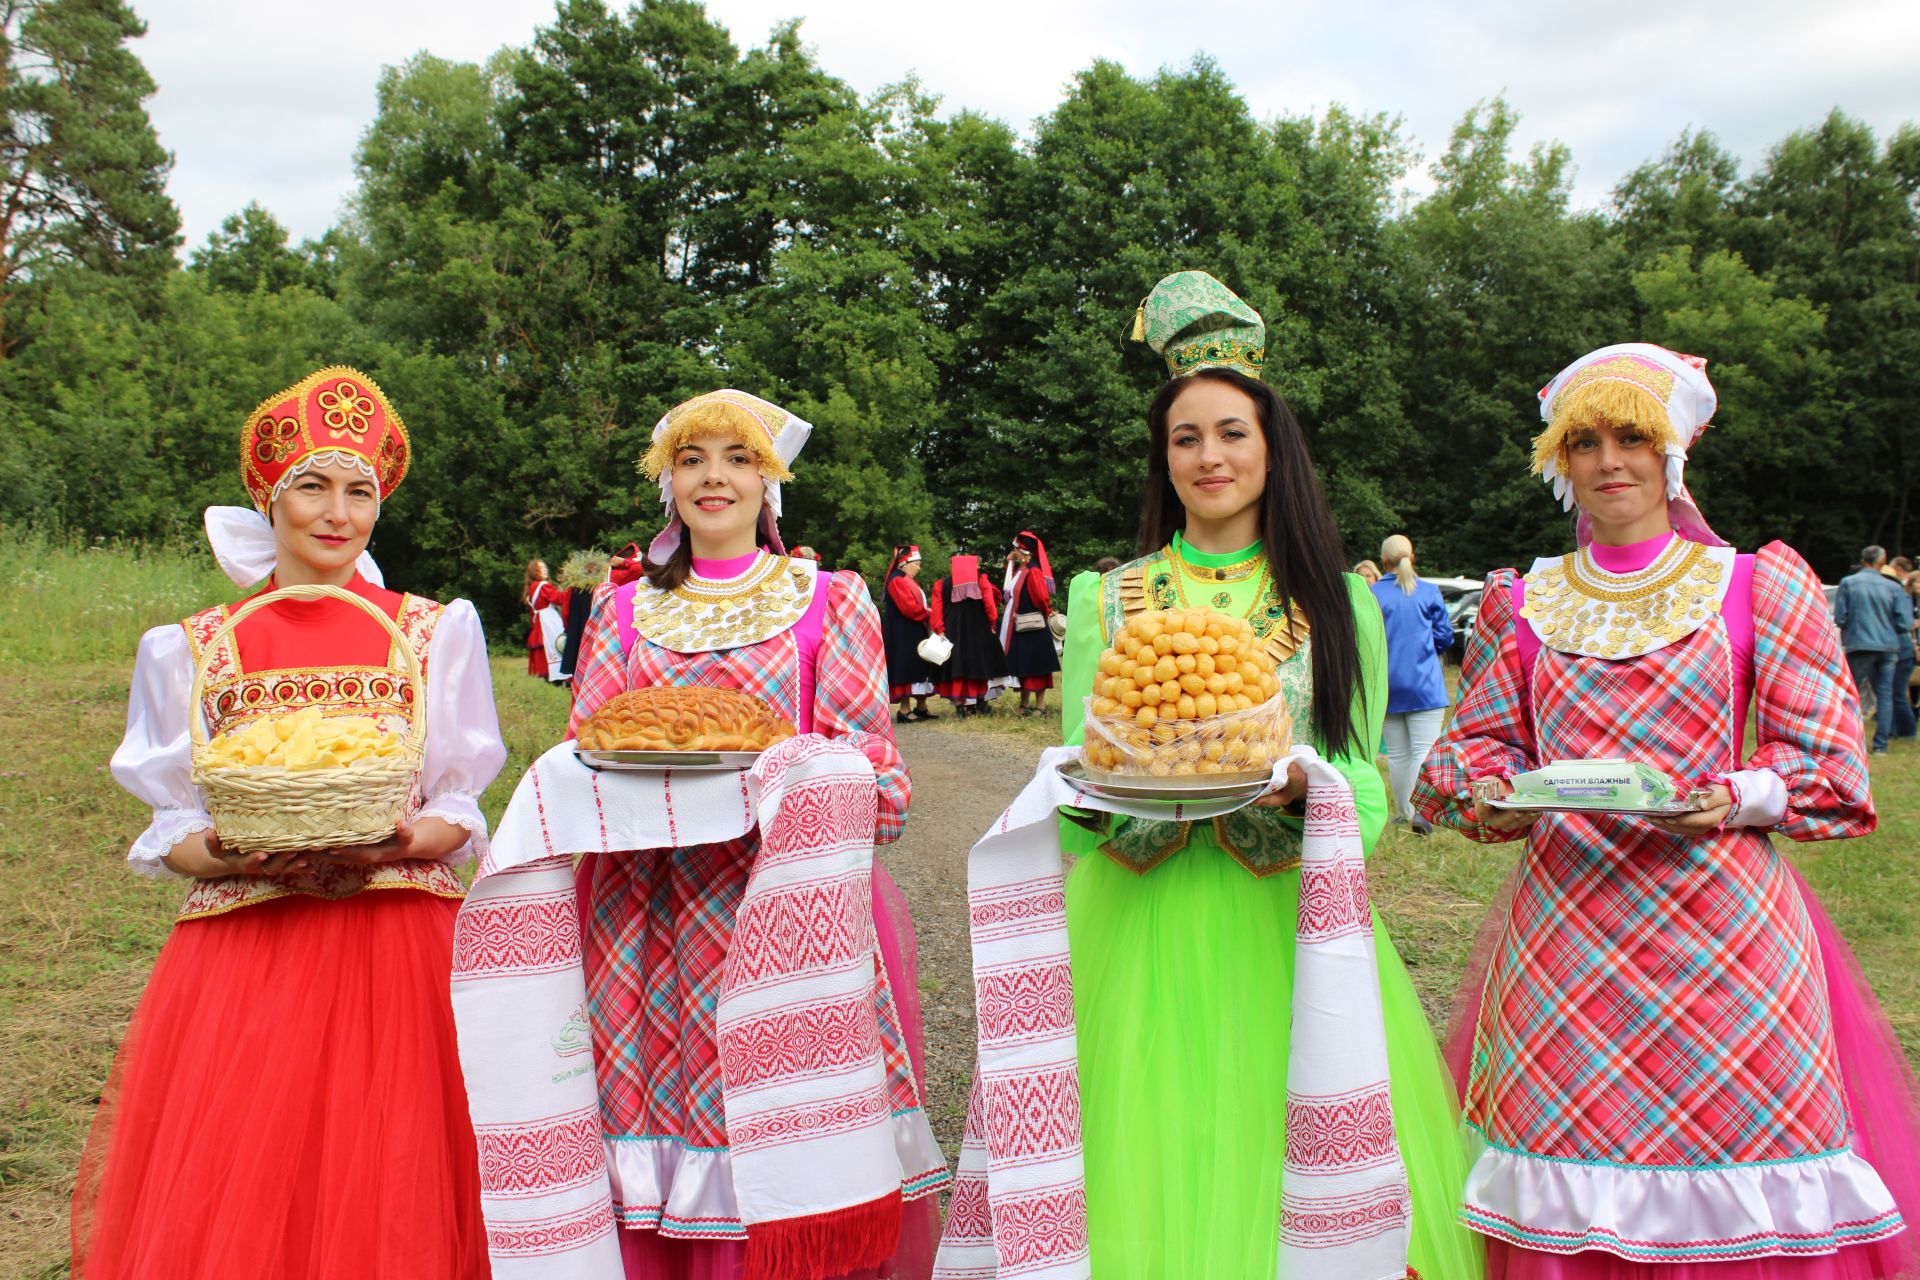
{"points": [[647, 1255], [1883, 1102], [289, 1104]]}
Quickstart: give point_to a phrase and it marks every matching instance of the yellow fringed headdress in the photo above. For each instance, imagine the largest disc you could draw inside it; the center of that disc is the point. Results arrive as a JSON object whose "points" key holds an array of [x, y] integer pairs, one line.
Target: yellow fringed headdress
{"points": [[773, 435], [1664, 393]]}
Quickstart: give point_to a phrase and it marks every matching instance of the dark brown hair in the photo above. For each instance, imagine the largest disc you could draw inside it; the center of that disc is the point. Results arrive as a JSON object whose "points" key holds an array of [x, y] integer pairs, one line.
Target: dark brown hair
{"points": [[1303, 548], [676, 568]]}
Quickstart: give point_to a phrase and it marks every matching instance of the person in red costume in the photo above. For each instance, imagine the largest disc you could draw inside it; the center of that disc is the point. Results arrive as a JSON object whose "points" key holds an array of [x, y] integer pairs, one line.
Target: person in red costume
{"points": [[965, 615], [288, 1101], [1024, 630], [547, 603], [905, 617], [623, 568]]}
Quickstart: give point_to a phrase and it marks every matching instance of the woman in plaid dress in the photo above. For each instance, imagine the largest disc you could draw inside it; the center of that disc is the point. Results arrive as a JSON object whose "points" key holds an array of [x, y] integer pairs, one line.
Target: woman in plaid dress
{"points": [[656, 929], [1676, 1072]]}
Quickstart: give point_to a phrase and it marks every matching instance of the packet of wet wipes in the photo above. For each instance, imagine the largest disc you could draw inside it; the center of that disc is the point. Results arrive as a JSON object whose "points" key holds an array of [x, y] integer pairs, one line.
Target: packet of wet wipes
{"points": [[1596, 784]]}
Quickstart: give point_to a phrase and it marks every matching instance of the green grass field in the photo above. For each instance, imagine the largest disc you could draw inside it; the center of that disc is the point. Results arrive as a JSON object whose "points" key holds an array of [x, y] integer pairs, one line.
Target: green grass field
{"points": [[78, 930]]}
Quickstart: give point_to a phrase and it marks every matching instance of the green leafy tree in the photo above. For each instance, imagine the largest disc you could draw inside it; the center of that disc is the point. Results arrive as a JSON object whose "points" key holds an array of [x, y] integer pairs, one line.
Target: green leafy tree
{"points": [[1511, 286], [1766, 468], [85, 177], [1830, 218], [248, 252]]}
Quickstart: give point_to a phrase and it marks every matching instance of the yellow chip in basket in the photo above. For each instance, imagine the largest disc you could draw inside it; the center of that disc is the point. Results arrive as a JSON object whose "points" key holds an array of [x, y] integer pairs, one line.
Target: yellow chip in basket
{"points": [[306, 739]]}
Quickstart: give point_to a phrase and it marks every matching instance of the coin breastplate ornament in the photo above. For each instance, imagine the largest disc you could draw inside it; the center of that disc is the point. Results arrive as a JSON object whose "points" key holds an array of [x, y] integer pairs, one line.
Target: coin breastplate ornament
{"points": [[702, 614], [1576, 607]]}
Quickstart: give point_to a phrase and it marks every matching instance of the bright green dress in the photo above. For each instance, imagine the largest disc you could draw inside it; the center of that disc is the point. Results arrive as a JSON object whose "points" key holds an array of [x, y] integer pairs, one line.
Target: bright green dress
{"points": [[1182, 943]]}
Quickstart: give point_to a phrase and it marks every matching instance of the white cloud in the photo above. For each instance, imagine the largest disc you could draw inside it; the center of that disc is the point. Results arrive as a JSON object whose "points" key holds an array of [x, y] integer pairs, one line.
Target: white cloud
{"points": [[268, 101]]}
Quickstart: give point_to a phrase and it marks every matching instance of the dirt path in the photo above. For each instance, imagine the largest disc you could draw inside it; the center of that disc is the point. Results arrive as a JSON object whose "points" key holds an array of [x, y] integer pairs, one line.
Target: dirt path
{"points": [[961, 781]]}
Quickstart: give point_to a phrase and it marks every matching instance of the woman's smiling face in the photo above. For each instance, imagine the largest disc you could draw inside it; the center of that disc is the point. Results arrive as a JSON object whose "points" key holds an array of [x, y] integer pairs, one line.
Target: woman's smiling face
{"points": [[1216, 451], [324, 518], [718, 489], [1619, 478]]}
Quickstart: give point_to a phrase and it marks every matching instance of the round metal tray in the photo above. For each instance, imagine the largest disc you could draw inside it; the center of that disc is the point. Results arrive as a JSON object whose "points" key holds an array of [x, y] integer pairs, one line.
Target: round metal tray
{"points": [[1202, 788], [660, 761]]}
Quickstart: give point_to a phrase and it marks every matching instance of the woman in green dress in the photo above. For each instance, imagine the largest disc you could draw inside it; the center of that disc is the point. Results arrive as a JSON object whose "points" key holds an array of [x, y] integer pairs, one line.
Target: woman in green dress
{"points": [[1182, 934]]}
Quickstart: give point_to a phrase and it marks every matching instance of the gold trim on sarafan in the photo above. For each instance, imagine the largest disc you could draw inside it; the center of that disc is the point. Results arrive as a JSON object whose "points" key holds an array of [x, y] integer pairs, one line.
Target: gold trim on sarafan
{"points": [[705, 614], [1147, 584], [1577, 607]]}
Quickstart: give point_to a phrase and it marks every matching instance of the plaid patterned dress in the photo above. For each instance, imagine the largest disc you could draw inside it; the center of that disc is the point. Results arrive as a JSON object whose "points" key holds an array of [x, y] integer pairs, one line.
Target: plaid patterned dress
{"points": [[656, 927], [1654, 1072]]}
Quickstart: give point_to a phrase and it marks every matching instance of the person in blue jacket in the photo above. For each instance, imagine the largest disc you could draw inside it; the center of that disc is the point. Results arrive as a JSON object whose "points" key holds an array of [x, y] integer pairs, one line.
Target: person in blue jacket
{"points": [[1418, 632]]}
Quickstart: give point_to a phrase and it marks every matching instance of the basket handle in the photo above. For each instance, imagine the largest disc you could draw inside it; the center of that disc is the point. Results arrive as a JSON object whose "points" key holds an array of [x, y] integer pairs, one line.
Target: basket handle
{"points": [[417, 722]]}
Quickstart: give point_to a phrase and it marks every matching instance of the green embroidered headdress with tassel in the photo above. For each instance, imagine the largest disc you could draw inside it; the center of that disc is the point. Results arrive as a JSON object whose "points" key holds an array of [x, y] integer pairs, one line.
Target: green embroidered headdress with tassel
{"points": [[1198, 323]]}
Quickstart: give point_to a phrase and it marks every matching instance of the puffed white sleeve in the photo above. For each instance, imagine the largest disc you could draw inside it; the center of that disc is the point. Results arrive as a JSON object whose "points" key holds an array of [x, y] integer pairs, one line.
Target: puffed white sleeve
{"points": [[154, 760], [464, 749]]}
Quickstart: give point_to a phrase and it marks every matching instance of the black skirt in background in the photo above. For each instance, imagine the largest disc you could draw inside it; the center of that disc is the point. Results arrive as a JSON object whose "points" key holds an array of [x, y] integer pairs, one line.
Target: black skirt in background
{"points": [[905, 666], [976, 647], [1030, 654]]}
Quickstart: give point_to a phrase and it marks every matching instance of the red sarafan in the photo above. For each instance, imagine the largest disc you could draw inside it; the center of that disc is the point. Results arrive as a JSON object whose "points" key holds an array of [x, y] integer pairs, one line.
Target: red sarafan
{"points": [[327, 1123]]}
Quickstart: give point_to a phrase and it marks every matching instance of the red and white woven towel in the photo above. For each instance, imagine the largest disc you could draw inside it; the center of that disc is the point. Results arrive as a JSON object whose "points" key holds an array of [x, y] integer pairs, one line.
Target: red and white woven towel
{"points": [[1019, 1201], [809, 1119]]}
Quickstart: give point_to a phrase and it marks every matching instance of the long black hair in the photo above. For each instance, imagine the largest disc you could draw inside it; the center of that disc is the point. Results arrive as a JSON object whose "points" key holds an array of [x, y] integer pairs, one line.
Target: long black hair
{"points": [[1303, 547]]}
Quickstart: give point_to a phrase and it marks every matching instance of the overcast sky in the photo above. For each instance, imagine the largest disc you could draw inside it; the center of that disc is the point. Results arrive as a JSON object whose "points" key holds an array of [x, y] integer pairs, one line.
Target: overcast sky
{"points": [[267, 101]]}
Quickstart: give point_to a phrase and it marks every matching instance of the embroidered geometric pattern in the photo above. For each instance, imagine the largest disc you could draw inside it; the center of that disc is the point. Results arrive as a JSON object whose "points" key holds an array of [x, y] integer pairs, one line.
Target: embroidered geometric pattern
{"points": [[1044, 1226], [813, 926], [1016, 905], [1025, 1003], [1322, 1222], [542, 1236], [779, 1126], [1341, 1132], [1037, 1115], [801, 1039], [535, 1159], [538, 934], [1333, 900]]}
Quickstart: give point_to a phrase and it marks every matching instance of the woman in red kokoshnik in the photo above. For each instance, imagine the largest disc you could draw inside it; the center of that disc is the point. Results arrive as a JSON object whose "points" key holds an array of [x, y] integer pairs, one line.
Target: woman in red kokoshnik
{"points": [[721, 605], [1676, 1070], [288, 1102]]}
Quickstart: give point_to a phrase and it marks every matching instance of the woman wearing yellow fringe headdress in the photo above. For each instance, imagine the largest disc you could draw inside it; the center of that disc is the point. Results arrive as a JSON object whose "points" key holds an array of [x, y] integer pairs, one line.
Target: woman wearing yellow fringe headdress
{"points": [[1675, 1070]]}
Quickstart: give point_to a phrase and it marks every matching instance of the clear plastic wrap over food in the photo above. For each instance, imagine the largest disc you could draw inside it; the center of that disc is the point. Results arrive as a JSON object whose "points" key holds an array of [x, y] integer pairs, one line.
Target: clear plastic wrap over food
{"points": [[1236, 742], [1185, 691]]}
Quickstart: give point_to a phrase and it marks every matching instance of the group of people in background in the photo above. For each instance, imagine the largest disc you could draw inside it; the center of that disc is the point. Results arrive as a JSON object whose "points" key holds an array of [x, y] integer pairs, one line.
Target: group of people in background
{"points": [[997, 638], [1877, 609], [697, 1052]]}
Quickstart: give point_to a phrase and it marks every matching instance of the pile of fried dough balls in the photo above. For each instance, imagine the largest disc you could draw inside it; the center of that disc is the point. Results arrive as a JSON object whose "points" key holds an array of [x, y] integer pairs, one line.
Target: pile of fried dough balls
{"points": [[1186, 691], [304, 740]]}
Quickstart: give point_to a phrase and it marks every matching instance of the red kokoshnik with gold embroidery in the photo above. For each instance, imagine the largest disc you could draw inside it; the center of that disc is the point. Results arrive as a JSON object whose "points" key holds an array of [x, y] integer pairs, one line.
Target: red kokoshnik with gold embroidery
{"points": [[335, 411], [327, 654]]}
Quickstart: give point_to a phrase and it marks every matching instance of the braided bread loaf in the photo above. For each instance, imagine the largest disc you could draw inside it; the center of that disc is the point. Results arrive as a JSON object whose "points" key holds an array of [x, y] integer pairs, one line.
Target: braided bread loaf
{"points": [[684, 718]]}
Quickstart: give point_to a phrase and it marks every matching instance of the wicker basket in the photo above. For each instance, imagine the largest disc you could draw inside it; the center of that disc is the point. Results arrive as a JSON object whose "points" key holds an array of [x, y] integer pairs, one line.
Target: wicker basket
{"points": [[268, 808]]}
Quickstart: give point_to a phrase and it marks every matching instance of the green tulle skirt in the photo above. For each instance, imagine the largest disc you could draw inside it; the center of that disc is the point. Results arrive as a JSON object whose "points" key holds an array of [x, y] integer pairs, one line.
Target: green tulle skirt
{"points": [[1182, 981]]}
